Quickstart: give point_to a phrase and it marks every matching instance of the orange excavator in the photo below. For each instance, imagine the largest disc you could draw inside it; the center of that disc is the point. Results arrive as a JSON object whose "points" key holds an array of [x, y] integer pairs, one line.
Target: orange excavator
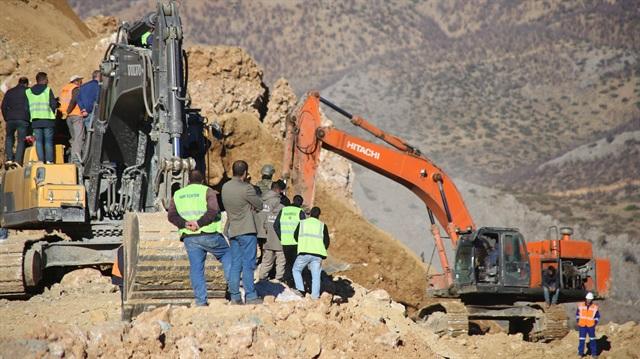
{"points": [[495, 274]]}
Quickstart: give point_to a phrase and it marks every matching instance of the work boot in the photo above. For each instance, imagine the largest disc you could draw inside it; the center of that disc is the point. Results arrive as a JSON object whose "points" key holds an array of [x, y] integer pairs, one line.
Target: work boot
{"points": [[298, 293], [257, 300], [235, 302]]}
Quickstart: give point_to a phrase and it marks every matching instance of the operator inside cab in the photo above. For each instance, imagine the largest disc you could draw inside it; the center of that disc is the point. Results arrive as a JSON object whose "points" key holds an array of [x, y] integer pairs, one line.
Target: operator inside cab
{"points": [[487, 247]]}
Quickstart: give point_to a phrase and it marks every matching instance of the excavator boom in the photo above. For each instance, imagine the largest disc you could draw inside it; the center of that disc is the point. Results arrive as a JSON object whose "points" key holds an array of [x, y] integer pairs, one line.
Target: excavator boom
{"points": [[403, 164]]}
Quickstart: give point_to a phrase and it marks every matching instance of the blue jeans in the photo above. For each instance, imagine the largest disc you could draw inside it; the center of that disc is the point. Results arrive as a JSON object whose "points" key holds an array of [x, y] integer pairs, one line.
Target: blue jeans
{"points": [[243, 261], [197, 248], [583, 333], [315, 267], [22, 128], [44, 143], [554, 299], [87, 121]]}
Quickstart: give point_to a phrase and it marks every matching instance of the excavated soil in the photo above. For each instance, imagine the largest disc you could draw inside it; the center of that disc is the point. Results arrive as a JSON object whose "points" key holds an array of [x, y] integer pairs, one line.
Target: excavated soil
{"points": [[346, 322]]}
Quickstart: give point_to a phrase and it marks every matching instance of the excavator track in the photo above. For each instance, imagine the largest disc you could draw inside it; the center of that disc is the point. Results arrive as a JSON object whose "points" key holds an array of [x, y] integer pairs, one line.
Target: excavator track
{"points": [[11, 263], [451, 319], [551, 326], [157, 266], [20, 266]]}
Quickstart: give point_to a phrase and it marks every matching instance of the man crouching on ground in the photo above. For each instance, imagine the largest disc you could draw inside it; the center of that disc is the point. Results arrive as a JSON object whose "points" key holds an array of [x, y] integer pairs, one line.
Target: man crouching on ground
{"points": [[194, 210]]}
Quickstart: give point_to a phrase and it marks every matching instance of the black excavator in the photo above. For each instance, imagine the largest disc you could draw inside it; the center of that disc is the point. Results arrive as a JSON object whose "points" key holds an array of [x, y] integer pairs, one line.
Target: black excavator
{"points": [[141, 143]]}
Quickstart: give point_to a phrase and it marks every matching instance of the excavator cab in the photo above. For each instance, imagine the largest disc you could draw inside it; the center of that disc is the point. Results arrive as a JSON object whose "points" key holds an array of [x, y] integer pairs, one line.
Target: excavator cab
{"points": [[490, 258]]}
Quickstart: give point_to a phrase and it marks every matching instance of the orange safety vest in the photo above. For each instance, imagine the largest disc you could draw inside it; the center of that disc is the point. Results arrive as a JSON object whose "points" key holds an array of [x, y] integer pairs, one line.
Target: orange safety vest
{"points": [[587, 315], [65, 98]]}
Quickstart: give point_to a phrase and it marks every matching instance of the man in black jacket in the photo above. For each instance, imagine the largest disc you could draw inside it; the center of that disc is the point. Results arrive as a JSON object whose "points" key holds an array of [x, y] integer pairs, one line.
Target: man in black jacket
{"points": [[550, 286], [16, 115]]}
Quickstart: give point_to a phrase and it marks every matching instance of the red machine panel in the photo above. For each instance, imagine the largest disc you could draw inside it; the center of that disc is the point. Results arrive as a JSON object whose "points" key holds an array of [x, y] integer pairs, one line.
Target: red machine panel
{"points": [[603, 276], [576, 249]]}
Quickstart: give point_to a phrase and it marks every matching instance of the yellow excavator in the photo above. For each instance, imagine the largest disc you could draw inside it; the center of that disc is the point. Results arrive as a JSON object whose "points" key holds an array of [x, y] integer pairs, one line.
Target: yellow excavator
{"points": [[141, 142]]}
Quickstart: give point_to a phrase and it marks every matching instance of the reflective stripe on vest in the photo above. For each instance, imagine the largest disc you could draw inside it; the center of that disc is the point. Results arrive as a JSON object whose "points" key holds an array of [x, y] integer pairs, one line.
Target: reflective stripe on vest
{"points": [[145, 38], [311, 237], [191, 204], [39, 106], [587, 315], [66, 94], [289, 220]]}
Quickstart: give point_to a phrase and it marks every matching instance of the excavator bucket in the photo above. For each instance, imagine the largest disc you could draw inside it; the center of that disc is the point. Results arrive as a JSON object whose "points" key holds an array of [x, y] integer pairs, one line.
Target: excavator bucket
{"points": [[157, 266], [302, 148]]}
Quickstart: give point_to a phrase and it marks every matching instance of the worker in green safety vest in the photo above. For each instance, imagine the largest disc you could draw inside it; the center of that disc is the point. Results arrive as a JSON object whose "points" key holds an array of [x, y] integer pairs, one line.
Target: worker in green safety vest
{"points": [[285, 224], [194, 210], [42, 112], [147, 38], [313, 240]]}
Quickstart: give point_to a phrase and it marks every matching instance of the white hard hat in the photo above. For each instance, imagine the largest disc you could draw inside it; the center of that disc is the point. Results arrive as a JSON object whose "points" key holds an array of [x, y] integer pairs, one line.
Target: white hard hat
{"points": [[75, 77], [589, 296]]}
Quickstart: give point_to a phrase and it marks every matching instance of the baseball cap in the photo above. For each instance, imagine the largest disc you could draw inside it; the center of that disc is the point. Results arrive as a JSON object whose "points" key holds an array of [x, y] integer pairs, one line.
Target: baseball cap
{"points": [[75, 77]]}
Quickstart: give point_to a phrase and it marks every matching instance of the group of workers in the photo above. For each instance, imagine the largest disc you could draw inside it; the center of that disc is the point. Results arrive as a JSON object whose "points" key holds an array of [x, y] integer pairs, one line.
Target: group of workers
{"points": [[33, 111], [256, 215]]}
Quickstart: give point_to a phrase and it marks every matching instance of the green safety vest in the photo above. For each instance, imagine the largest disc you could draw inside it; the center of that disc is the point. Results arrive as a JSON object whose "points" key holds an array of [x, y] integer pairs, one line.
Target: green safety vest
{"points": [[39, 106], [311, 237], [191, 204], [289, 220], [145, 37]]}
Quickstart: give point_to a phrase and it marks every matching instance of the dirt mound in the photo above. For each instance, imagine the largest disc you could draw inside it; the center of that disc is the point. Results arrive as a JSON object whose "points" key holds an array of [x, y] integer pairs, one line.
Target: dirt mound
{"points": [[224, 79], [359, 323], [102, 25], [351, 322], [282, 101]]}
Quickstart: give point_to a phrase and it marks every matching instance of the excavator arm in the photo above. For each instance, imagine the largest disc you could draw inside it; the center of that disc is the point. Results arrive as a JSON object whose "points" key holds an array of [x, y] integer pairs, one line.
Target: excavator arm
{"points": [[402, 163]]}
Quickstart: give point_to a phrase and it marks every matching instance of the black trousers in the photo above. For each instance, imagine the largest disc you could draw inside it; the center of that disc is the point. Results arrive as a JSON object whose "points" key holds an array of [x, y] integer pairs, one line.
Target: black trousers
{"points": [[13, 128], [290, 254]]}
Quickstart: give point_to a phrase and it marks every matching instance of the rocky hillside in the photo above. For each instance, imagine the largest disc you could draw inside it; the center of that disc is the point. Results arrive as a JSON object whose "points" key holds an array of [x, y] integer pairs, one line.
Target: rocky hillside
{"points": [[492, 91], [483, 86]]}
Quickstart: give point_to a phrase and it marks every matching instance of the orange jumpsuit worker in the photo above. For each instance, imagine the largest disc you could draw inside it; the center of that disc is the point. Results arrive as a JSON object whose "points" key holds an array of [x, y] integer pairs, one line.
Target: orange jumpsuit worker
{"points": [[587, 316]]}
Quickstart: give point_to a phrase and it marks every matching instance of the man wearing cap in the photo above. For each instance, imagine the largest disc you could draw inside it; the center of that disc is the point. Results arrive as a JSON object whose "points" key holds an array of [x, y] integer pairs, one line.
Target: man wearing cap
{"points": [[587, 317], [267, 178], [73, 115]]}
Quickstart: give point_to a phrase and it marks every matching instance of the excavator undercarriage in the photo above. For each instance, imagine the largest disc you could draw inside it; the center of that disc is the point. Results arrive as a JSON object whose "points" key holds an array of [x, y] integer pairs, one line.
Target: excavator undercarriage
{"points": [[536, 322], [157, 266]]}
